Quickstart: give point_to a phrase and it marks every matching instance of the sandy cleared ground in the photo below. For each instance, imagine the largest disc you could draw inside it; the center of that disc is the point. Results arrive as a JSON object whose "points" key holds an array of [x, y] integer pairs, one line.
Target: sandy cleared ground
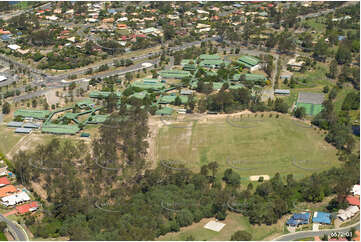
{"points": [[256, 178], [51, 97]]}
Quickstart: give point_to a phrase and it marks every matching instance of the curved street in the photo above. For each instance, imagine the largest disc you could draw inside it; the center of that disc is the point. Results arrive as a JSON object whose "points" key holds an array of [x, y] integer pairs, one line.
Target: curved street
{"points": [[320, 233], [18, 233]]}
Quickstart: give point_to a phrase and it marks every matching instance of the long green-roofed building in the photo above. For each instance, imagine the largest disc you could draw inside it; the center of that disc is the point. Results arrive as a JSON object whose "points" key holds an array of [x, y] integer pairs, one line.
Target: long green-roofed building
{"points": [[256, 78], [174, 74], [36, 114], [101, 94], [212, 63], [171, 99], [96, 119], [60, 129], [139, 95], [209, 57], [149, 84], [165, 111], [249, 62]]}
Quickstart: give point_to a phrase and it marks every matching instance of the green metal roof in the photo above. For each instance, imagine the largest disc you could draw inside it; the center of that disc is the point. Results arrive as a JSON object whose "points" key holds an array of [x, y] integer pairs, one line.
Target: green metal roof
{"points": [[165, 111], [98, 119], [101, 94], [86, 103], [209, 57], [149, 84], [249, 77], [71, 115], [187, 61], [236, 86], [139, 95], [60, 129], [248, 61], [171, 99], [37, 114], [211, 63], [174, 74]]}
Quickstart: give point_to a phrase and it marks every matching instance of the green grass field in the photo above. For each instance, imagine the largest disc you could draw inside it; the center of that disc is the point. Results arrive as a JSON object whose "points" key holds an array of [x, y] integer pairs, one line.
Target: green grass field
{"points": [[8, 138], [271, 146], [234, 222], [3, 237]]}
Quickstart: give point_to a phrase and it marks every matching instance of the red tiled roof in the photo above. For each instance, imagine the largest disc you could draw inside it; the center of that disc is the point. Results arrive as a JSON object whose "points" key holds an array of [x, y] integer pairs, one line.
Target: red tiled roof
{"points": [[4, 181], [7, 190], [353, 200], [26, 207]]}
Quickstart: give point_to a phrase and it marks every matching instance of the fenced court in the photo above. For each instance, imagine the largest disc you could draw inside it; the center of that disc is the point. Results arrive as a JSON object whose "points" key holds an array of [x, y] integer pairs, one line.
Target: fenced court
{"points": [[312, 102]]}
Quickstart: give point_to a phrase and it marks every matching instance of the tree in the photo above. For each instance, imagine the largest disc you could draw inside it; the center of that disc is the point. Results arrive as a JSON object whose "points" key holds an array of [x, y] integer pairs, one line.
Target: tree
{"points": [[300, 112], [320, 50], [241, 235], [231, 178], [3, 226], [6, 108], [333, 69], [326, 89], [177, 101], [343, 55]]}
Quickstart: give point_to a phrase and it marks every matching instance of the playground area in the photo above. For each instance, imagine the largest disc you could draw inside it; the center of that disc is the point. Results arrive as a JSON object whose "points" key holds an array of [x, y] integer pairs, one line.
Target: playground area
{"points": [[252, 146]]}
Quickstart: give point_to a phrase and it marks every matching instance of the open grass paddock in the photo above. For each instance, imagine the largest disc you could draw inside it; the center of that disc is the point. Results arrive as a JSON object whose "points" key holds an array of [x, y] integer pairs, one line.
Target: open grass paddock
{"points": [[249, 145]]}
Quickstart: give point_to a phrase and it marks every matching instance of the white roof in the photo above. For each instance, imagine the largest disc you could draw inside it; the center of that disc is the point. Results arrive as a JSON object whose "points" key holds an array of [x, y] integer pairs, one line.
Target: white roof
{"points": [[3, 78], [15, 198], [14, 47], [215, 226], [356, 190]]}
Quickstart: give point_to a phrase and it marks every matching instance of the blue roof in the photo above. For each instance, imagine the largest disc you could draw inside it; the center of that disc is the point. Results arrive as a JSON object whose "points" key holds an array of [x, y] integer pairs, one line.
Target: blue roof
{"points": [[237, 5], [15, 124], [321, 217], [111, 10], [31, 125], [22, 130], [301, 216], [341, 37], [5, 37]]}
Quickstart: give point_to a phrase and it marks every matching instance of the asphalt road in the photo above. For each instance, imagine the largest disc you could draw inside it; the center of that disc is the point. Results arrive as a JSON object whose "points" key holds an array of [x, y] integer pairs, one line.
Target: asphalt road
{"points": [[17, 232], [307, 234]]}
